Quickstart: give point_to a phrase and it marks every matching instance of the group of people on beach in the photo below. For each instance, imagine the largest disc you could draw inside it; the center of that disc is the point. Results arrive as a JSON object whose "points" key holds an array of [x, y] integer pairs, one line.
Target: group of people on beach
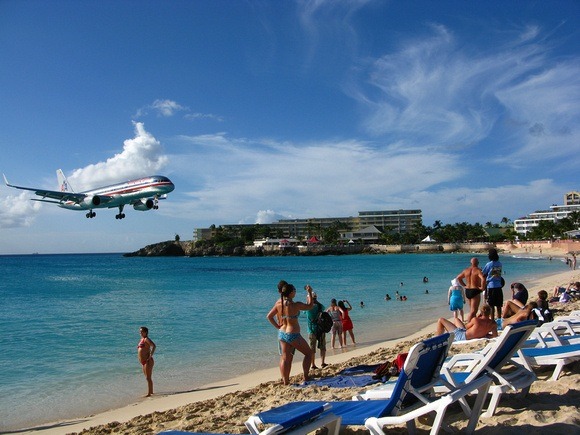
{"points": [[284, 317], [467, 287], [471, 283]]}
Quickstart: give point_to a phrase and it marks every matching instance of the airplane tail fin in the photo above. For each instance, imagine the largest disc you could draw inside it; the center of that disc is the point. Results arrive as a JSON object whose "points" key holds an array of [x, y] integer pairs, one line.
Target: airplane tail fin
{"points": [[63, 183]]}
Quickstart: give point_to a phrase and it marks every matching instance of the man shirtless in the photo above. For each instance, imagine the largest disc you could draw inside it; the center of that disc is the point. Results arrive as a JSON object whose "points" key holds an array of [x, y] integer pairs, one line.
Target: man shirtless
{"points": [[474, 282], [479, 327]]}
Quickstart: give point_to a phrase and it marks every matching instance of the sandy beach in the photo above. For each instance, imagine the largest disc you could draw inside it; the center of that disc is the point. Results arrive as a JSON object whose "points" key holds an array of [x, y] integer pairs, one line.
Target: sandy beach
{"points": [[224, 406]]}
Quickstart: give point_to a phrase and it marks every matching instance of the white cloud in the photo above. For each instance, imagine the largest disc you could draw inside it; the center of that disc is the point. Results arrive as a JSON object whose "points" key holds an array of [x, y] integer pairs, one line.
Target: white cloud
{"points": [[17, 210], [141, 156], [545, 109], [485, 204], [167, 107], [239, 177], [268, 216], [437, 91], [195, 116]]}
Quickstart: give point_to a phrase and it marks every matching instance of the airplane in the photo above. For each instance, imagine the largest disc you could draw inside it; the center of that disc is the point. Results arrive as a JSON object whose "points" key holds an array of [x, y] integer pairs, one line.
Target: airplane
{"points": [[142, 193]]}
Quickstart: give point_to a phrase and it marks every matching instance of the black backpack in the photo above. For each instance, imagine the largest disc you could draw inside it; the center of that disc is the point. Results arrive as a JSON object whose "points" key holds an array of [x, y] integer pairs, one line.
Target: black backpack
{"points": [[323, 323]]}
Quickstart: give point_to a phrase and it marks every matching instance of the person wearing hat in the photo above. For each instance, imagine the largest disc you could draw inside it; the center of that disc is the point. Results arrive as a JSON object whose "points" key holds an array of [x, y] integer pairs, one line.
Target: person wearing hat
{"points": [[456, 299], [316, 340]]}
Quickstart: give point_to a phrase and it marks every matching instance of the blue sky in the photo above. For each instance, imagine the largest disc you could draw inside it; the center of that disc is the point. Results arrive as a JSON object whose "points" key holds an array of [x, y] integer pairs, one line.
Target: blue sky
{"points": [[262, 110]]}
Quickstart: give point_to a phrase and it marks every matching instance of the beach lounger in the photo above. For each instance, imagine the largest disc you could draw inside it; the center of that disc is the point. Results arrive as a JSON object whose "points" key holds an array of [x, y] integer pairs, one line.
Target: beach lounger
{"points": [[304, 420], [412, 396], [564, 326], [550, 334], [557, 356], [493, 360]]}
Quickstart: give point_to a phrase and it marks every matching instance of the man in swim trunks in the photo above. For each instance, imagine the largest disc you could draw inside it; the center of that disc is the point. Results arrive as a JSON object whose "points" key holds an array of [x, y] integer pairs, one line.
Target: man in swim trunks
{"points": [[479, 327], [473, 284]]}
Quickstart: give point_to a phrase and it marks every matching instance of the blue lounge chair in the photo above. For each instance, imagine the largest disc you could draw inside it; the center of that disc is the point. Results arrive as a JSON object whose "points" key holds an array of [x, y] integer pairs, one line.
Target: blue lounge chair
{"points": [[412, 396], [491, 360], [557, 356], [304, 420]]}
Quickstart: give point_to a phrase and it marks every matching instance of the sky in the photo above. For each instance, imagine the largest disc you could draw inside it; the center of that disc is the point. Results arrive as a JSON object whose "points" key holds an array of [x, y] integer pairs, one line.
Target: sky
{"points": [[267, 110]]}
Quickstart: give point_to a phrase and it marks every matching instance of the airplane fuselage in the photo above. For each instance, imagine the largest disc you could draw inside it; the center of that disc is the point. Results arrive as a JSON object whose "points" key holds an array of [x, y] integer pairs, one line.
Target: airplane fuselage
{"points": [[143, 194], [129, 192]]}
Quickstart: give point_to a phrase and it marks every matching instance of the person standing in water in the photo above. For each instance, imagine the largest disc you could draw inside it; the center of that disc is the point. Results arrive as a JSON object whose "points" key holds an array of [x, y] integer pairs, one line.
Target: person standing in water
{"points": [[145, 350], [347, 325]]}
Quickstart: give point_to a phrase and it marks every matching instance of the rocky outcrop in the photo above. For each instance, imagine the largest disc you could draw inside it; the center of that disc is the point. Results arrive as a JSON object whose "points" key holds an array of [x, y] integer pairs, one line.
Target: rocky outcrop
{"points": [[188, 249], [163, 249]]}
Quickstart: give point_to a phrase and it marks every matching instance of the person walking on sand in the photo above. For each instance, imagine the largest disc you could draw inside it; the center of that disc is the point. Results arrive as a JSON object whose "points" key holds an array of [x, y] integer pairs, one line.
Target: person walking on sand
{"points": [[316, 339], [284, 317], [473, 281], [456, 299], [347, 325], [481, 326], [145, 351], [336, 316]]}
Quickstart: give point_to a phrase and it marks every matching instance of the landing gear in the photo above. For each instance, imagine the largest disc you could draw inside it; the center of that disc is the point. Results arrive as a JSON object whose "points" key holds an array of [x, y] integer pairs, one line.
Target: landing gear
{"points": [[91, 214], [121, 215], [155, 201]]}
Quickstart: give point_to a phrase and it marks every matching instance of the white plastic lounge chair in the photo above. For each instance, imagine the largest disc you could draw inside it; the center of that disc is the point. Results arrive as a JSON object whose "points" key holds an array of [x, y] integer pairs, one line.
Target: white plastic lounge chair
{"points": [[557, 356], [412, 396], [304, 420], [549, 334], [491, 359]]}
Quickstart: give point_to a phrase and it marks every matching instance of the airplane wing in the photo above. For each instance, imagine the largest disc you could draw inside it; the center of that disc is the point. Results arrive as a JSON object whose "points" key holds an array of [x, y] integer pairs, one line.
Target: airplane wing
{"points": [[57, 196]]}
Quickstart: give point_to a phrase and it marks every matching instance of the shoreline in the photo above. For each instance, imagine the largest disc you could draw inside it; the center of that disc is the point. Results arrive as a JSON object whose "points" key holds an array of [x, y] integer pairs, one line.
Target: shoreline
{"points": [[140, 416]]}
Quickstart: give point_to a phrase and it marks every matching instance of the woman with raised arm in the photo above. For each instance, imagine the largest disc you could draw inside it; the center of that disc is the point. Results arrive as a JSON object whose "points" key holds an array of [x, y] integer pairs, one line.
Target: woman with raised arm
{"points": [[347, 325], [284, 317]]}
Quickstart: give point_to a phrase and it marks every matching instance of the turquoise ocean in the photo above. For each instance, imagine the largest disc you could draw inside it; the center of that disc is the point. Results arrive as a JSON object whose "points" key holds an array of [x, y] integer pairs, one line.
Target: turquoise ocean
{"points": [[69, 324]]}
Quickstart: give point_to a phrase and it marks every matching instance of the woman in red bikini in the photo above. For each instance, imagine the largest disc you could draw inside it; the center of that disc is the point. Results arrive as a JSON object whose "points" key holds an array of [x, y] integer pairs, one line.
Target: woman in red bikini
{"points": [[145, 350], [347, 325]]}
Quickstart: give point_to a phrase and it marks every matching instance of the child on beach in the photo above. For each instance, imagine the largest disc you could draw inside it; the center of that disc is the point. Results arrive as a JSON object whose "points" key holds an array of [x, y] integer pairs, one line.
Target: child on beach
{"points": [[145, 350], [456, 299]]}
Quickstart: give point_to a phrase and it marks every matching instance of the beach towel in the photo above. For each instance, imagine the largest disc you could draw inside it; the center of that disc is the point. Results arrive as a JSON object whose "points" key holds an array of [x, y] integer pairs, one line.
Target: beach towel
{"points": [[357, 370], [341, 381]]}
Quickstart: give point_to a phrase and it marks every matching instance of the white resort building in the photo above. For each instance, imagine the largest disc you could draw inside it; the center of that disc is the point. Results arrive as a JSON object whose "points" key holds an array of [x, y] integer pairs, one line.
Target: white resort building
{"points": [[571, 204]]}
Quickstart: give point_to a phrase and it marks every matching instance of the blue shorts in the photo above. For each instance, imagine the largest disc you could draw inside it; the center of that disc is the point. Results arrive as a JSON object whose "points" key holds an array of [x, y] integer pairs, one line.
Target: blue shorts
{"points": [[460, 334]]}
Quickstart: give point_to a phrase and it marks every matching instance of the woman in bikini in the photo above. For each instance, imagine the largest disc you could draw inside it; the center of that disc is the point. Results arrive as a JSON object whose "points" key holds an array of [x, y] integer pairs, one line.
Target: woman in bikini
{"points": [[284, 317], [145, 350], [347, 325], [336, 315]]}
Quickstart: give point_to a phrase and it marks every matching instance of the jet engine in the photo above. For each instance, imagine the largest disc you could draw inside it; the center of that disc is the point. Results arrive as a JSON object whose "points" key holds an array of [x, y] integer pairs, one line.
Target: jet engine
{"points": [[92, 201], [143, 204]]}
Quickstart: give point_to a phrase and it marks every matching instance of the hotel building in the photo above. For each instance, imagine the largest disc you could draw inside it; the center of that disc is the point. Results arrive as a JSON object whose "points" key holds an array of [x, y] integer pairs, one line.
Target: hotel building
{"points": [[556, 212]]}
